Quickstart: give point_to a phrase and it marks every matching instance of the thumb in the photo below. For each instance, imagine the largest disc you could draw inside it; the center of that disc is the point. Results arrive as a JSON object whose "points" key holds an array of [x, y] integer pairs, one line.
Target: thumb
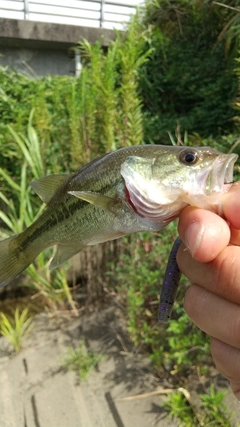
{"points": [[204, 233]]}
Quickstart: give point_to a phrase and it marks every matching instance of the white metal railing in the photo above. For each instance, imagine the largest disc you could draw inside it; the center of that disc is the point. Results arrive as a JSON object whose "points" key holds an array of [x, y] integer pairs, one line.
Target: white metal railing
{"points": [[88, 13]]}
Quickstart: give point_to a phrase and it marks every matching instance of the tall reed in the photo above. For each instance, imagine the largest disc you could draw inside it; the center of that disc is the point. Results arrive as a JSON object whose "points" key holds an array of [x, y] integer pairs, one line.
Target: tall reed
{"points": [[110, 107], [24, 211]]}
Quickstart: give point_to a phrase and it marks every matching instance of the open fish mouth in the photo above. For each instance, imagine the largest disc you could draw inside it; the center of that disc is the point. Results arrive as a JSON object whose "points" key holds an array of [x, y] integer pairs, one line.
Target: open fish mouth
{"points": [[198, 186], [221, 174]]}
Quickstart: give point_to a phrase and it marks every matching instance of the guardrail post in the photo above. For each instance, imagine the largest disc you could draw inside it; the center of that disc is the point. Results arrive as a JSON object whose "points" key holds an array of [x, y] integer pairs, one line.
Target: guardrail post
{"points": [[102, 13], [26, 9]]}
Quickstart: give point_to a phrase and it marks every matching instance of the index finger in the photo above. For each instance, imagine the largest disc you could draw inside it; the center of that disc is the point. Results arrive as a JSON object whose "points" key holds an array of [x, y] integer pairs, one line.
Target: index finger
{"points": [[204, 233], [220, 276]]}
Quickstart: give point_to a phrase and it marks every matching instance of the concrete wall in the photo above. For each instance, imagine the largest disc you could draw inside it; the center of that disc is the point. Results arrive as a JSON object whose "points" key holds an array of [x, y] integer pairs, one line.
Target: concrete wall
{"points": [[38, 62], [39, 48]]}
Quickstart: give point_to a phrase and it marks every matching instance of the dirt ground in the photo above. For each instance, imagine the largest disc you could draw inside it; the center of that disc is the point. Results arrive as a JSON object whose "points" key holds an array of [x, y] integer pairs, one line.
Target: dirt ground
{"points": [[120, 392]]}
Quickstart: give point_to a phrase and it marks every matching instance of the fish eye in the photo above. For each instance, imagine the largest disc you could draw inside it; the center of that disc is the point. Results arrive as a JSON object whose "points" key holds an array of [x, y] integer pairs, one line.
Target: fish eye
{"points": [[189, 157]]}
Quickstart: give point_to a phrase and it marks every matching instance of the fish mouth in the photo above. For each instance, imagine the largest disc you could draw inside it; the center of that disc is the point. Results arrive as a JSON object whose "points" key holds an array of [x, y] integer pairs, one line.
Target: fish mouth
{"points": [[220, 176]]}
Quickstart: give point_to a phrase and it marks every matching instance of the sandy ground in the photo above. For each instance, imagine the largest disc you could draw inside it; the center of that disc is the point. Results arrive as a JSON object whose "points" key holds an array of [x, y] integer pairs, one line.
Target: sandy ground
{"points": [[36, 392]]}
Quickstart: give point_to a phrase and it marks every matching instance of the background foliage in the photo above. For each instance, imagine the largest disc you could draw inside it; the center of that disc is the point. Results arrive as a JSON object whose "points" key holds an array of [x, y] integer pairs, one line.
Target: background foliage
{"points": [[190, 77]]}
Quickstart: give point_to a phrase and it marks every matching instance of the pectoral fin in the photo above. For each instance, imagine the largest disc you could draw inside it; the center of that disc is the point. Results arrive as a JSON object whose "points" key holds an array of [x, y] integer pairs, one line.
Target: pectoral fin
{"points": [[96, 199], [64, 253], [47, 186]]}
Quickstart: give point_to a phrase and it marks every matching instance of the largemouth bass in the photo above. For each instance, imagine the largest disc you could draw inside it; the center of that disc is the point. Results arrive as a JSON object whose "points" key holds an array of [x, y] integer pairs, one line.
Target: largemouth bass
{"points": [[133, 189]]}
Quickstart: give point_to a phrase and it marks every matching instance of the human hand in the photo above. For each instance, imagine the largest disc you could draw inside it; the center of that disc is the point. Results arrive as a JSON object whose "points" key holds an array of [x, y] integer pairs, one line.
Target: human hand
{"points": [[212, 263]]}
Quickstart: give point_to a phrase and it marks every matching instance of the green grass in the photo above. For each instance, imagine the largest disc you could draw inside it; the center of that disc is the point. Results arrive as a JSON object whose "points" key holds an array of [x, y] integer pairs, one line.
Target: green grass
{"points": [[210, 413], [23, 208], [15, 329], [80, 360]]}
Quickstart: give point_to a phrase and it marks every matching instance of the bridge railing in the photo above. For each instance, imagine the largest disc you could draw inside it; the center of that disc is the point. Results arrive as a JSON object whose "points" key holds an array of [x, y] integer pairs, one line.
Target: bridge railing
{"points": [[88, 13]]}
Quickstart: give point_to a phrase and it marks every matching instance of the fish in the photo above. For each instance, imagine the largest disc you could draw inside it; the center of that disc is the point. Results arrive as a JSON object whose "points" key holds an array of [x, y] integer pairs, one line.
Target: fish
{"points": [[133, 189]]}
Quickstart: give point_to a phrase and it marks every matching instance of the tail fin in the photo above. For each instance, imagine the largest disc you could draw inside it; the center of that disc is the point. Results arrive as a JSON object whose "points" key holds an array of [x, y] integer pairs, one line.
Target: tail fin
{"points": [[12, 260]]}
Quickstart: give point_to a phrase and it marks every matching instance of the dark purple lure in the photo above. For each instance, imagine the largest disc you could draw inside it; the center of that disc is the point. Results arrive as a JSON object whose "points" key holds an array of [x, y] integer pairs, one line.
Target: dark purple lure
{"points": [[170, 284]]}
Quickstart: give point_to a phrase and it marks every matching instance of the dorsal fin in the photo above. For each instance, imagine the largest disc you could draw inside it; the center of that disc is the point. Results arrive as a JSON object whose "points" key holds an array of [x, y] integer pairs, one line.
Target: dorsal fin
{"points": [[47, 186]]}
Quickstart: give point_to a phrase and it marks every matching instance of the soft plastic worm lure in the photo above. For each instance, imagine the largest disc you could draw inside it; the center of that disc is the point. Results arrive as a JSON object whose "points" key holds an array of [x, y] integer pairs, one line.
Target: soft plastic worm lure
{"points": [[170, 284]]}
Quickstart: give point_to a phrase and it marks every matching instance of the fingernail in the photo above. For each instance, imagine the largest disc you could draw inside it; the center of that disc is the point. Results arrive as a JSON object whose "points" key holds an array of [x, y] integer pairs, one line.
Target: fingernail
{"points": [[193, 236]]}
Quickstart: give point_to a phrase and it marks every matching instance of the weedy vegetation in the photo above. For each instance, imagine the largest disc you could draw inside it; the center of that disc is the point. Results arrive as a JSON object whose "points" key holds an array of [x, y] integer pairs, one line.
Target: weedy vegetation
{"points": [[23, 208], [211, 412], [138, 281], [15, 329], [81, 360]]}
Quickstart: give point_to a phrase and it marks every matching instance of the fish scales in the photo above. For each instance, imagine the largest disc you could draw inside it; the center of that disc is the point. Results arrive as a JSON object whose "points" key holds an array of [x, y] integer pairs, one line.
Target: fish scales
{"points": [[68, 206], [129, 190]]}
